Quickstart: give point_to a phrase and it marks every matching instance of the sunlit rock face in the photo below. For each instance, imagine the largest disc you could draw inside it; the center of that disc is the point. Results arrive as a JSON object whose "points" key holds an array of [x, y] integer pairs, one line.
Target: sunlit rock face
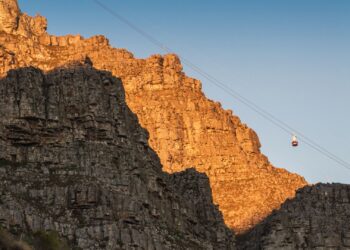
{"points": [[9, 15], [186, 128], [33, 27], [12, 21]]}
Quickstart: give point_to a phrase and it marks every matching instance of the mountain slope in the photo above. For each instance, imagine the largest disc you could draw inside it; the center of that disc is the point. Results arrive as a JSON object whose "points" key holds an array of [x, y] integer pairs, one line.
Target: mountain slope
{"points": [[318, 218], [186, 129], [74, 160]]}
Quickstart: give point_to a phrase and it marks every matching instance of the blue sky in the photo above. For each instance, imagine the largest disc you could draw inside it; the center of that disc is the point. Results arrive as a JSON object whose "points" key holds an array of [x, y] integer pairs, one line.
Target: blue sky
{"points": [[292, 58]]}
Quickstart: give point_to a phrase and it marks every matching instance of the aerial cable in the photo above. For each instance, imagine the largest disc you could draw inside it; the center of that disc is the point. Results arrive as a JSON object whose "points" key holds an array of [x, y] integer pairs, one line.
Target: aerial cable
{"points": [[263, 113]]}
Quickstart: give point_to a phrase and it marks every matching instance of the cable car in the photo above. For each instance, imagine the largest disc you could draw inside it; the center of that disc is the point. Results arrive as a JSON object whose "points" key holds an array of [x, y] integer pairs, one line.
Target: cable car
{"points": [[295, 142]]}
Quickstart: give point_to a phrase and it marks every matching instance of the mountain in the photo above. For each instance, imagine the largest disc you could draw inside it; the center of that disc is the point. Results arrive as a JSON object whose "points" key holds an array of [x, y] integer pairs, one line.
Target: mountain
{"points": [[75, 161], [317, 218], [186, 129]]}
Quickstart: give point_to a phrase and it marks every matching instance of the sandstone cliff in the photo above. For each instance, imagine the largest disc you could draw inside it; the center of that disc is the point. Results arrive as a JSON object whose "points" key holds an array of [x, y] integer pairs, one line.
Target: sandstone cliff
{"points": [[318, 218], [74, 160], [186, 129]]}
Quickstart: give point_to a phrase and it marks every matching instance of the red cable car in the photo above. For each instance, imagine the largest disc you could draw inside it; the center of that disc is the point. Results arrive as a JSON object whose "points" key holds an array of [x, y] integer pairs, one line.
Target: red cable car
{"points": [[295, 142]]}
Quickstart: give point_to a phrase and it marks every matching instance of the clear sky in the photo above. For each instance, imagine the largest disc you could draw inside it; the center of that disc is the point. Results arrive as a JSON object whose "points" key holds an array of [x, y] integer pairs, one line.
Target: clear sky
{"points": [[290, 57]]}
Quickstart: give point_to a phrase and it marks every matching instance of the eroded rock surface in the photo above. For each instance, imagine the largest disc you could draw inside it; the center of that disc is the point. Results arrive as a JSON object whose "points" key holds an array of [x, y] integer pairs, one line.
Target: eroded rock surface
{"points": [[74, 160], [14, 22], [318, 218], [186, 129], [9, 16]]}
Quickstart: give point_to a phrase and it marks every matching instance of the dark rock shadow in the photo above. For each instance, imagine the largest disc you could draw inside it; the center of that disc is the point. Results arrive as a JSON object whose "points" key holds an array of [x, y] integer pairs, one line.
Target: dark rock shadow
{"points": [[317, 218], [74, 160]]}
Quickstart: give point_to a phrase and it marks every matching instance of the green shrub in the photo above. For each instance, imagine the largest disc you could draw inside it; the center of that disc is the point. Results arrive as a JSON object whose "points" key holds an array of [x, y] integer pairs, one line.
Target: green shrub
{"points": [[8, 242], [49, 241]]}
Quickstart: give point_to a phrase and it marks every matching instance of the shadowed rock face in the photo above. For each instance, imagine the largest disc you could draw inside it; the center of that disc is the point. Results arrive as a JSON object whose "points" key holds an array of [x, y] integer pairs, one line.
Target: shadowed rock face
{"points": [[73, 159], [186, 129], [318, 218]]}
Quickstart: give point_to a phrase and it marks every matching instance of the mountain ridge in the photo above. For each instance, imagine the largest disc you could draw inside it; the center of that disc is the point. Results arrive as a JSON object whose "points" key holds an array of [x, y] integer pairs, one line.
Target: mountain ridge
{"points": [[186, 129]]}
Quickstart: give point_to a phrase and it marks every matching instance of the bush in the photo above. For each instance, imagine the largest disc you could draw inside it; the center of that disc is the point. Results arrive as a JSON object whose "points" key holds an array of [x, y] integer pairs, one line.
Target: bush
{"points": [[40, 240], [7, 242], [49, 241]]}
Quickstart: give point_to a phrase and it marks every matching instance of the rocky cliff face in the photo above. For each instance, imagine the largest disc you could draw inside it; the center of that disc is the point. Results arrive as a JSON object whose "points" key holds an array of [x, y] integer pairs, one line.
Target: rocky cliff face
{"points": [[74, 160], [9, 16], [318, 218], [14, 22], [186, 129]]}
